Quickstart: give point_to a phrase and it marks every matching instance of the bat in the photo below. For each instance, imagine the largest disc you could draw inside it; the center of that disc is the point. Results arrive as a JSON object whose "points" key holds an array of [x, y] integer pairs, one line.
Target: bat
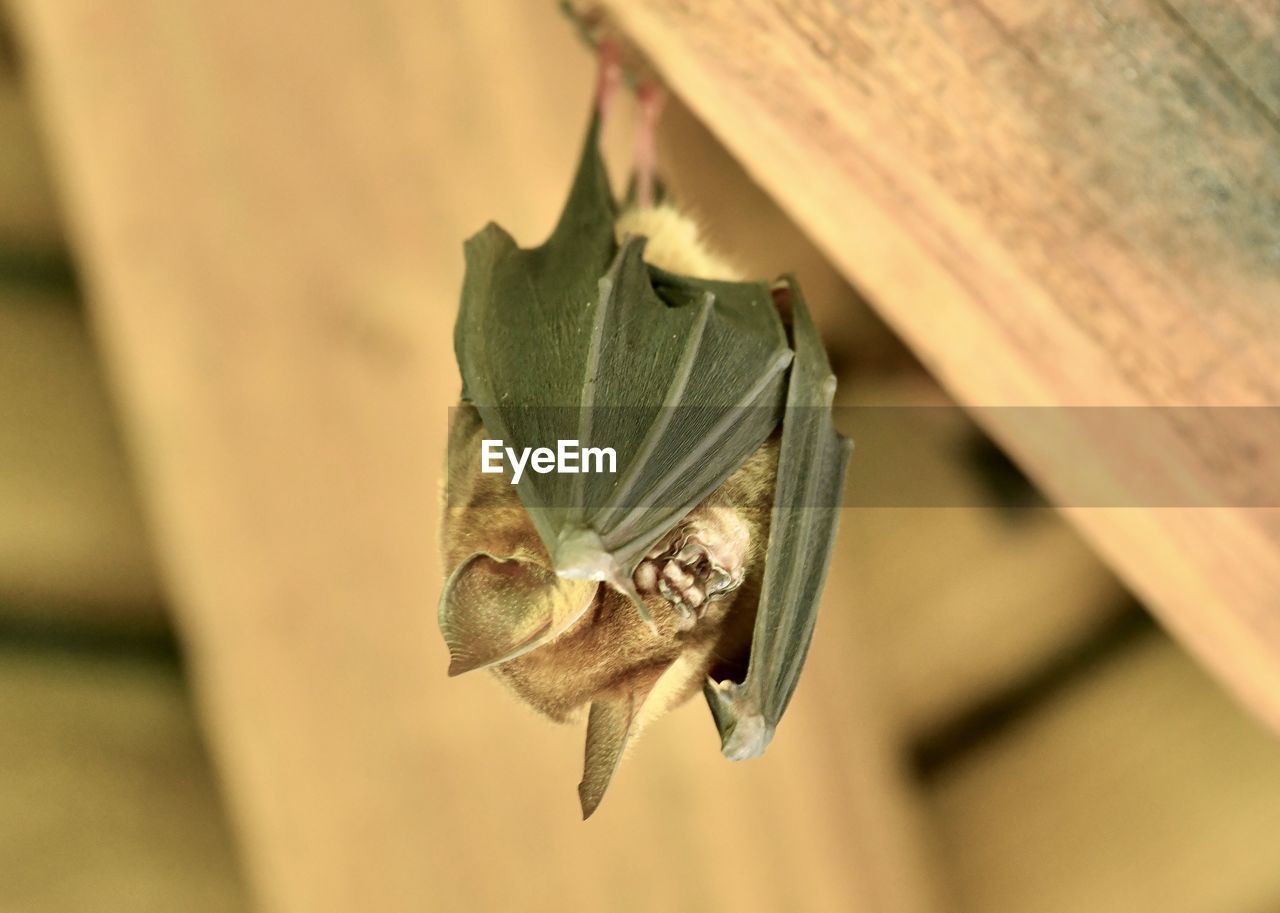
{"points": [[695, 559]]}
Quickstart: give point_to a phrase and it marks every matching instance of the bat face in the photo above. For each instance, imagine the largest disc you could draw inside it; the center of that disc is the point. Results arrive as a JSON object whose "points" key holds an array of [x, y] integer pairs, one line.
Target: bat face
{"points": [[563, 645]]}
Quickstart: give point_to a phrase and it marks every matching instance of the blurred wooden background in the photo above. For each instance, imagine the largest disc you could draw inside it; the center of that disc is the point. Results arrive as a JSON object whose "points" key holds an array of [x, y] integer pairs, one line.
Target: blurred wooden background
{"points": [[265, 207]]}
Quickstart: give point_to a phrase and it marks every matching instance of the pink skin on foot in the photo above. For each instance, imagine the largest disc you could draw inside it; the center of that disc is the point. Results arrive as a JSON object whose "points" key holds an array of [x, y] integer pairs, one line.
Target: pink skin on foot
{"points": [[651, 99], [609, 76]]}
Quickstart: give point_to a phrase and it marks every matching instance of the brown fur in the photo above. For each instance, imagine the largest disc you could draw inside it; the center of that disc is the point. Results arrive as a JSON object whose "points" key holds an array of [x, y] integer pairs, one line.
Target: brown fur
{"points": [[610, 651]]}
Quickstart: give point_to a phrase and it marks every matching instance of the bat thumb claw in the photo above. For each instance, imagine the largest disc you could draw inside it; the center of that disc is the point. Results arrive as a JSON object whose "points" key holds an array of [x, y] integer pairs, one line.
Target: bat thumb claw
{"points": [[748, 738], [580, 554], [744, 731]]}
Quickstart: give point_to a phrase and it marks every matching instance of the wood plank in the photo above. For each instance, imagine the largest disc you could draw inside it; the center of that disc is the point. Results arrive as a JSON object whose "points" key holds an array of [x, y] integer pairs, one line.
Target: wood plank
{"points": [[1243, 38], [1055, 205], [274, 283], [72, 541], [29, 219], [958, 604], [106, 793], [1140, 787], [955, 607]]}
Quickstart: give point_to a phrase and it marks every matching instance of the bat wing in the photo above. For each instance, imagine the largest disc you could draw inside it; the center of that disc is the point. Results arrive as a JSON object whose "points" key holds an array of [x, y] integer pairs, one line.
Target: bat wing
{"points": [[580, 340], [811, 467]]}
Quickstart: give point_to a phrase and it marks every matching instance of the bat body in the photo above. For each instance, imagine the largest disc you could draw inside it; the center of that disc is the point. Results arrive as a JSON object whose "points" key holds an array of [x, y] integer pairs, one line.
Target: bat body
{"points": [[697, 565]]}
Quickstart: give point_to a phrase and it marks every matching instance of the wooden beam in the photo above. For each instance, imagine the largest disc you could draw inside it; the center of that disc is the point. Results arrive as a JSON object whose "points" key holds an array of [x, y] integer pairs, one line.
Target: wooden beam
{"points": [[72, 542], [29, 221], [1056, 205], [270, 200], [106, 791], [1138, 787]]}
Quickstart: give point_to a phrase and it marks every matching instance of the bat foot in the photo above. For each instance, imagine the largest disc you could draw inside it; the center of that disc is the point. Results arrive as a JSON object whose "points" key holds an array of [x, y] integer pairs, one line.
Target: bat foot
{"points": [[701, 560], [651, 98], [609, 75]]}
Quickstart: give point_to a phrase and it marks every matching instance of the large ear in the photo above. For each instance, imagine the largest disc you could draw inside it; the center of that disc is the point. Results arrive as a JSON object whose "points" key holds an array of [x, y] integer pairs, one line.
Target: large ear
{"points": [[614, 719], [609, 727], [494, 609]]}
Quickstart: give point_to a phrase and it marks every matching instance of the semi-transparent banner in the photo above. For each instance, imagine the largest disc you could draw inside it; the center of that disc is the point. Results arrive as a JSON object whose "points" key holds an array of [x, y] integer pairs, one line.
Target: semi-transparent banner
{"points": [[903, 456]]}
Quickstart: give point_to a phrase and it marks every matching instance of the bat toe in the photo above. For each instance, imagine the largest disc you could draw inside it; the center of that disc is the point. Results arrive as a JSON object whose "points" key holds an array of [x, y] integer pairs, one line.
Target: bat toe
{"points": [[696, 563]]}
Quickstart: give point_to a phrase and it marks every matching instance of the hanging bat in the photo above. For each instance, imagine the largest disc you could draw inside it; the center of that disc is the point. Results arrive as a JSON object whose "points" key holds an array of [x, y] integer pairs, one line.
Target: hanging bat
{"points": [[697, 562]]}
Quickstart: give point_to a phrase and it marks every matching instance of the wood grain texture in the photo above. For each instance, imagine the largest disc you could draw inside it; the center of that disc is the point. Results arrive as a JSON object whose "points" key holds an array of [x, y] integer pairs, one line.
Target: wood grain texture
{"points": [[1055, 205], [1243, 39], [269, 201]]}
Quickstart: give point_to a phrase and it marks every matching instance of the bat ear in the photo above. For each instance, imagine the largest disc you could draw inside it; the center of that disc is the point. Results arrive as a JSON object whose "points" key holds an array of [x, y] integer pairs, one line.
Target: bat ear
{"points": [[610, 725], [495, 609], [608, 729]]}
